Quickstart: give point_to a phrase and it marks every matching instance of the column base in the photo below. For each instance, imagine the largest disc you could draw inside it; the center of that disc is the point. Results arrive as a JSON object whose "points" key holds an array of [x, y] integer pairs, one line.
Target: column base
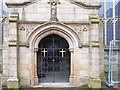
{"points": [[13, 83], [71, 80], [36, 81], [94, 83], [74, 81]]}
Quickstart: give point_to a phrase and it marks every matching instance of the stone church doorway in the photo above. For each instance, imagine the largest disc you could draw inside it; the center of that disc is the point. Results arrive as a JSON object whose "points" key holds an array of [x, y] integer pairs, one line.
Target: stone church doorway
{"points": [[53, 60]]}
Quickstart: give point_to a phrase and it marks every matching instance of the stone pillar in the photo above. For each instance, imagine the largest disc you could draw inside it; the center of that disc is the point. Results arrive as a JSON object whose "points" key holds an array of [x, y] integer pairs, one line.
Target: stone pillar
{"points": [[0, 43], [95, 81], [71, 67], [35, 66], [101, 28], [13, 81]]}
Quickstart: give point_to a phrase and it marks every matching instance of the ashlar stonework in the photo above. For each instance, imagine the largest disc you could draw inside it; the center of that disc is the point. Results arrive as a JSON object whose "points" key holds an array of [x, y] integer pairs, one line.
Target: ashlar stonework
{"points": [[30, 22]]}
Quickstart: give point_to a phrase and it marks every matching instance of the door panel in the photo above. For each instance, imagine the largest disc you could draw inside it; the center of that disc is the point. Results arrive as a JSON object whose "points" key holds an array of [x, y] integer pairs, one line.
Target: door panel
{"points": [[53, 64]]}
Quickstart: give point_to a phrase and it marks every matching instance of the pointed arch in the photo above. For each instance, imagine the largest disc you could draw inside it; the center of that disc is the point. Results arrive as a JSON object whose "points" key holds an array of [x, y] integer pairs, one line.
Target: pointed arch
{"points": [[54, 28]]}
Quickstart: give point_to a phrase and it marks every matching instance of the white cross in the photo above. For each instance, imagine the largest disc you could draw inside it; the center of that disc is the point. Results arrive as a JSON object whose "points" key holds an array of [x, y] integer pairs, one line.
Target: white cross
{"points": [[44, 51], [62, 52]]}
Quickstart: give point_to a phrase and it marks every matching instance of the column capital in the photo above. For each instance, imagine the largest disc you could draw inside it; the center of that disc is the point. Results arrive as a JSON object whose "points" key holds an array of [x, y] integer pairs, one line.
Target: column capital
{"points": [[71, 49], [94, 19], [35, 49], [13, 17]]}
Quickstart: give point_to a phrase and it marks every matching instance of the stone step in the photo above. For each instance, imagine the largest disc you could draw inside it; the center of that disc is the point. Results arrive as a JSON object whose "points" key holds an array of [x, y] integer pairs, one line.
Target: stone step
{"points": [[55, 86], [48, 88]]}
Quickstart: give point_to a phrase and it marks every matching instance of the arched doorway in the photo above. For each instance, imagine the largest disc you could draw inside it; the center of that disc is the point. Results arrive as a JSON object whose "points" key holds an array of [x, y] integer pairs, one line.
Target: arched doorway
{"points": [[41, 32], [53, 60]]}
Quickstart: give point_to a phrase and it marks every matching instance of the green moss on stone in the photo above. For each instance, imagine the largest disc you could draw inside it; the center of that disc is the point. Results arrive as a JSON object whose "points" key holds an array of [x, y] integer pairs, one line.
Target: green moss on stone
{"points": [[13, 85], [94, 83]]}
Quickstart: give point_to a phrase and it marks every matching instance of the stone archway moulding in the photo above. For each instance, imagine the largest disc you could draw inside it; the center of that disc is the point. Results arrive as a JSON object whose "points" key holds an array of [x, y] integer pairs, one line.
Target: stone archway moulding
{"points": [[53, 28]]}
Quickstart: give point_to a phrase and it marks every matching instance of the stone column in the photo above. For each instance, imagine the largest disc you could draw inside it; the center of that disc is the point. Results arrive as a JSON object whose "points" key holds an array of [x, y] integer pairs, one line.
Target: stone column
{"points": [[13, 81], [71, 67], [95, 81], [35, 66], [101, 28]]}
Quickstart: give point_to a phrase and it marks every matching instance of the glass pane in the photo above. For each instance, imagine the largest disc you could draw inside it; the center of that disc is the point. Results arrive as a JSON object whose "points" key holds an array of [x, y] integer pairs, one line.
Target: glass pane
{"points": [[109, 32], [117, 30], [109, 8], [101, 13], [117, 9]]}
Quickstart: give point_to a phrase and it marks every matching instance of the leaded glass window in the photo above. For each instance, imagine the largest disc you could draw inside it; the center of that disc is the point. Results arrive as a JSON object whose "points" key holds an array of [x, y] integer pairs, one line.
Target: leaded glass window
{"points": [[109, 32], [101, 13], [117, 30], [110, 14], [109, 9], [117, 9]]}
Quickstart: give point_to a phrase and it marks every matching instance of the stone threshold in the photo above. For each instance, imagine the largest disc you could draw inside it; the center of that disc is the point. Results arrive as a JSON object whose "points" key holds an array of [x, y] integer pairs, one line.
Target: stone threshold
{"points": [[54, 85]]}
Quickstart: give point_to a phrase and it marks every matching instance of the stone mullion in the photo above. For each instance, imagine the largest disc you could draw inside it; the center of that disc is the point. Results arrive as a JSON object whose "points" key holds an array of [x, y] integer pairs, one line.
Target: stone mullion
{"points": [[105, 30], [105, 9], [114, 31], [114, 21]]}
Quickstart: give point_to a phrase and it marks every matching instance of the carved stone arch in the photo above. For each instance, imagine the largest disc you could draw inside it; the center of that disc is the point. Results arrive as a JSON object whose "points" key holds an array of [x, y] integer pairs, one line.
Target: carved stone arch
{"points": [[54, 28], [44, 30]]}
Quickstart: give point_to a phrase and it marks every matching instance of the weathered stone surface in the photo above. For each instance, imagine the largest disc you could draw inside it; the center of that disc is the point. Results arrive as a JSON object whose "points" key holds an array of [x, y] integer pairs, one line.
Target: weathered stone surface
{"points": [[25, 81], [95, 83], [13, 84], [22, 37]]}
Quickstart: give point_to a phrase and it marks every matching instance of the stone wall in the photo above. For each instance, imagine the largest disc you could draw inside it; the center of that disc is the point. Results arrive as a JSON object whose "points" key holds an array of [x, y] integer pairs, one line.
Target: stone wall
{"points": [[5, 47], [24, 32], [81, 56], [25, 28], [66, 11], [25, 66]]}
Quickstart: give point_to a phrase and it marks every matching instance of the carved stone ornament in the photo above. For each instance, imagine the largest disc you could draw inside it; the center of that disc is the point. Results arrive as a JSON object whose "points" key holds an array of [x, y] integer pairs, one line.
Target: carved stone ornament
{"points": [[27, 27]]}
